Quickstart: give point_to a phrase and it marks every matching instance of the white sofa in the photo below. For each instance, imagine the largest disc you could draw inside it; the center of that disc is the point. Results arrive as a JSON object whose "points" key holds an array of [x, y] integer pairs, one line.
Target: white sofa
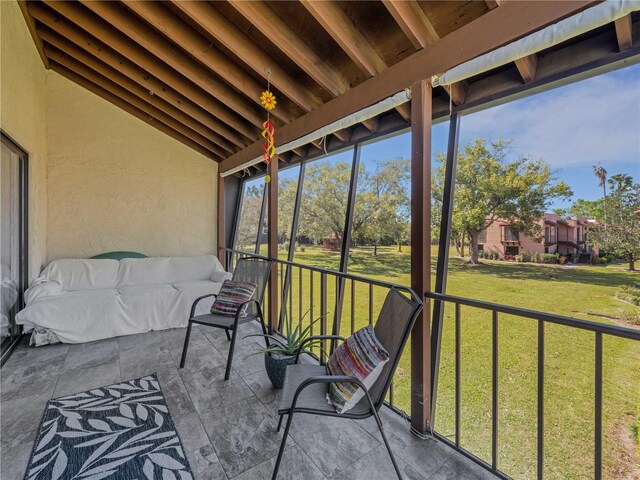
{"points": [[84, 300]]}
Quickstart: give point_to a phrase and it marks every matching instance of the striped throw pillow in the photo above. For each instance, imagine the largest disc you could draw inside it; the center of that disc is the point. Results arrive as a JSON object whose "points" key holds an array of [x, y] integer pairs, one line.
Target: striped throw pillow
{"points": [[231, 296], [361, 356]]}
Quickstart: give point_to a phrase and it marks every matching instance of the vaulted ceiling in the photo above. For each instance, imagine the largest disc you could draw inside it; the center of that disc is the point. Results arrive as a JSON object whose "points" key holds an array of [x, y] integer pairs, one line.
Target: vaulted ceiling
{"points": [[195, 70]]}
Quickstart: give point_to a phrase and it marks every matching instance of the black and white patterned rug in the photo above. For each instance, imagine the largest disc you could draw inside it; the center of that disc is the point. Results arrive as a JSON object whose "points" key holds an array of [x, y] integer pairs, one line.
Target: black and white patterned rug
{"points": [[123, 431]]}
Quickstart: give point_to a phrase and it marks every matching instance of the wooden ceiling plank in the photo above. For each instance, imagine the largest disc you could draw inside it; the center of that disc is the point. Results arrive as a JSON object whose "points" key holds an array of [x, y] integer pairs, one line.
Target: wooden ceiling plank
{"points": [[490, 31], [624, 33], [336, 22], [107, 34], [527, 67], [191, 41], [31, 25], [112, 86], [156, 44], [67, 32], [289, 42], [216, 25], [136, 112], [413, 22], [491, 4], [67, 54]]}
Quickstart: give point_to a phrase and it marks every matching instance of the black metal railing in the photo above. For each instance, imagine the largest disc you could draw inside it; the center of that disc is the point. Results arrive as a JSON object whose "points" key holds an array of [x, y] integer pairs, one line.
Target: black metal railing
{"points": [[598, 329], [342, 302]]}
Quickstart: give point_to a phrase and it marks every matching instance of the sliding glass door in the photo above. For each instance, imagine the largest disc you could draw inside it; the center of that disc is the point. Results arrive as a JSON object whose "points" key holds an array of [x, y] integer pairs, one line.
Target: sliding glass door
{"points": [[13, 265]]}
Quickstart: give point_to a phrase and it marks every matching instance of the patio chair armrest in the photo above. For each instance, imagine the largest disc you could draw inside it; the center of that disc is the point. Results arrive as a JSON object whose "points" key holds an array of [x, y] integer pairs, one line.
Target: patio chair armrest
{"points": [[313, 338], [197, 300], [329, 379]]}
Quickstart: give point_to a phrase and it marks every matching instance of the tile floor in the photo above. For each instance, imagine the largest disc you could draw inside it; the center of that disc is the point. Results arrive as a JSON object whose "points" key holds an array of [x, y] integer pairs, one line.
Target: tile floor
{"points": [[228, 428]]}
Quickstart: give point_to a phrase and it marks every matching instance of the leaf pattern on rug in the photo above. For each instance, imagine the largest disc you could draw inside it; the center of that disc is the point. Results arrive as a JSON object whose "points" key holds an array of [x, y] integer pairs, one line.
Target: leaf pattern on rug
{"points": [[119, 431]]}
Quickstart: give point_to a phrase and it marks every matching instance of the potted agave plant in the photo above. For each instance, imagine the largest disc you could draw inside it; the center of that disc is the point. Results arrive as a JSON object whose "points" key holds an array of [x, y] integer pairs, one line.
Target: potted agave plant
{"points": [[283, 349]]}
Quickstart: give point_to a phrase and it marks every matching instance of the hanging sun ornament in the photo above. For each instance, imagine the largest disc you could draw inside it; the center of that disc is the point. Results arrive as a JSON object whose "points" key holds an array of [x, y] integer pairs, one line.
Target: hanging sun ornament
{"points": [[268, 100]]}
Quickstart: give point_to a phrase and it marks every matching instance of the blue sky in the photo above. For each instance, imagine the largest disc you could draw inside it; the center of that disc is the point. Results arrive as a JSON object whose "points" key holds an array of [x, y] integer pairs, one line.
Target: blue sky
{"points": [[572, 127]]}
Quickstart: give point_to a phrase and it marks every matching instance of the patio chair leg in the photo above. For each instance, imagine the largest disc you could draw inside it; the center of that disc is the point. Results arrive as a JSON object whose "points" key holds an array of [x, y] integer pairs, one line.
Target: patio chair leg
{"points": [[279, 423], [282, 445], [228, 336], [386, 443], [186, 345], [230, 357]]}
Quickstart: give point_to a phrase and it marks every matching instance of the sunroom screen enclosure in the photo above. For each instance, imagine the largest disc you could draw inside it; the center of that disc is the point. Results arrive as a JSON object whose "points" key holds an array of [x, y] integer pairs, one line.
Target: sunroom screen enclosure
{"points": [[195, 71]]}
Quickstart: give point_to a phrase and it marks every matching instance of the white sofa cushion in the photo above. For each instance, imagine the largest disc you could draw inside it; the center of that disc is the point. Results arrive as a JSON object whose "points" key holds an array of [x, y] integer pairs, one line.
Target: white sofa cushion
{"points": [[82, 274], [156, 270]]}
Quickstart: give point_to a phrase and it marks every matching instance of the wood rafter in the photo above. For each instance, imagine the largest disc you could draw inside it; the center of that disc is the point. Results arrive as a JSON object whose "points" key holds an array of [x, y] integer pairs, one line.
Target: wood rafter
{"points": [[157, 15], [288, 41], [109, 36], [31, 25], [421, 32], [216, 25], [99, 73], [156, 44], [624, 33], [527, 67], [136, 112], [512, 20], [71, 41]]}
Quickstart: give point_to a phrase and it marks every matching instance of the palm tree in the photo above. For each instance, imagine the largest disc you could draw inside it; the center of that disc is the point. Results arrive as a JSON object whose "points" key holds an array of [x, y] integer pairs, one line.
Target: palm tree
{"points": [[620, 183], [601, 173]]}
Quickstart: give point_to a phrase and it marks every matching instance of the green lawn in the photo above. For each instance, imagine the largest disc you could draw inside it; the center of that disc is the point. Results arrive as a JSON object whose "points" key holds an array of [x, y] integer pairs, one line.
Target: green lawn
{"points": [[581, 292]]}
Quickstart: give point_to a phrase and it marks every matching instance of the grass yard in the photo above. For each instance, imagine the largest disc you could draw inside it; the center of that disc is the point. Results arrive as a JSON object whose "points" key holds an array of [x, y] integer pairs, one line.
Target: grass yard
{"points": [[583, 292]]}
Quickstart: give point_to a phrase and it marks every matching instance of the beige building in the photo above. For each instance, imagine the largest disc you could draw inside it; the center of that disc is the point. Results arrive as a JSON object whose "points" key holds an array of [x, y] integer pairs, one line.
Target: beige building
{"points": [[563, 236]]}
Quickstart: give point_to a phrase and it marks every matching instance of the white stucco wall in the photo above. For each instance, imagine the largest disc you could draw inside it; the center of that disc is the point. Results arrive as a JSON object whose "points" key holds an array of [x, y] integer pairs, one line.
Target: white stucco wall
{"points": [[23, 117], [116, 183]]}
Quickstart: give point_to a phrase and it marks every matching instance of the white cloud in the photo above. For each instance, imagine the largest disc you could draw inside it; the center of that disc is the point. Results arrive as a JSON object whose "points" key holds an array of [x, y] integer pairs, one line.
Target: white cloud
{"points": [[596, 120]]}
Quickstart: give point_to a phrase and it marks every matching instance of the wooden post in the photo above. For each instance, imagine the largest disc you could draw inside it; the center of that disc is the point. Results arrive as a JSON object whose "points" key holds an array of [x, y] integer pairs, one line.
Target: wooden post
{"points": [[222, 255], [272, 241], [421, 254]]}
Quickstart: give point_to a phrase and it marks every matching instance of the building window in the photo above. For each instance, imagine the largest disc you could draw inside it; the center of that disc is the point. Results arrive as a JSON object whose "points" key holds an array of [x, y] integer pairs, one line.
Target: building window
{"points": [[512, 251], [510, 234], [482, 238]]}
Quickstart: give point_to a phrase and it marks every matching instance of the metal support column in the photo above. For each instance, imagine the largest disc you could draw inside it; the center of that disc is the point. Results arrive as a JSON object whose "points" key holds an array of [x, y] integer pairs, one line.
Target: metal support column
{"points": [[442, 266]]}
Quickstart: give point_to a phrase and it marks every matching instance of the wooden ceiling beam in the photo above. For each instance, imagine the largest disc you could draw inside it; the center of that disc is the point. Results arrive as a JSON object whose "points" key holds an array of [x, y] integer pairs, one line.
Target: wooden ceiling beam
{"points": [[527, 67], [111, 86], [163, 20], [89, 67], [337, 24], [89, 22], [70, 38], [405, 111], [413, 22], [343, 135], [289, 42], [624, 33], [490, 31], [220, 28], [491, 4], [31, 25], [421, 32], [157, 45], [136, 112]]}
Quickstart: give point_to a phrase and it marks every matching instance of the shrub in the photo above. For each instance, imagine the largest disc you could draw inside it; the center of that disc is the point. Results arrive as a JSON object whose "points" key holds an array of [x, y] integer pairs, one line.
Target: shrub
{"points": [[549, 258], [601, 261], [610, 258], [629, 294]]}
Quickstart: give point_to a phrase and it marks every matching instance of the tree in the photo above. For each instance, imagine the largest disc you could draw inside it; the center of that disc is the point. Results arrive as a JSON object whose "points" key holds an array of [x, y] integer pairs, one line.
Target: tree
{"points": [[622, 236], [383, 206], [601, 173], [591, 209], [489, 187], [249, 217], [324, 200]]}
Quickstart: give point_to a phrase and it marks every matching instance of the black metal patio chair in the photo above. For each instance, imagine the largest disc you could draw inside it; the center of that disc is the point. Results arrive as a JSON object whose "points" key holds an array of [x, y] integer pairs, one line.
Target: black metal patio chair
{"points": [[248, 269], [306, 385]]}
